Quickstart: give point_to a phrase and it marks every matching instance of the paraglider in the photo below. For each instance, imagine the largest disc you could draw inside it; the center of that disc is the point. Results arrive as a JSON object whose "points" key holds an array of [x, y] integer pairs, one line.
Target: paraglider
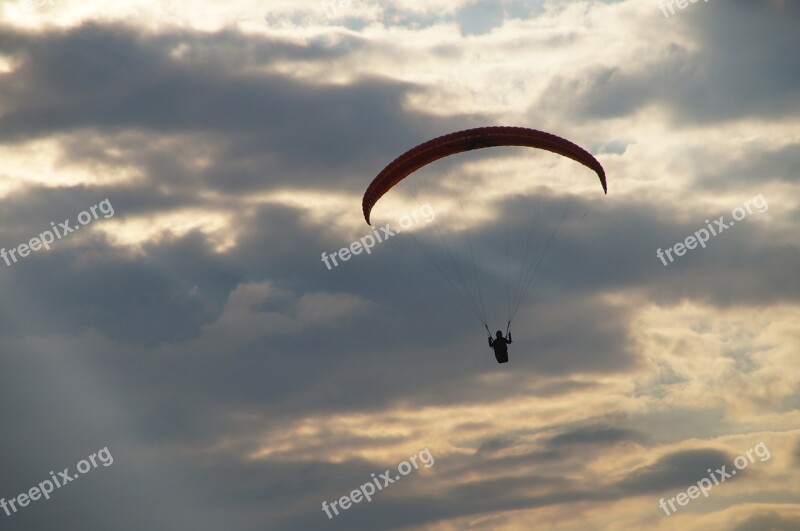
{"points": [[461, 142]]}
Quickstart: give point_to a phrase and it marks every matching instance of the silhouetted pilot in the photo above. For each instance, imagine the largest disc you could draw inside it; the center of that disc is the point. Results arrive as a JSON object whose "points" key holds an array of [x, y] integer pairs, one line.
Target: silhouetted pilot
{"points": [[500, 346]]}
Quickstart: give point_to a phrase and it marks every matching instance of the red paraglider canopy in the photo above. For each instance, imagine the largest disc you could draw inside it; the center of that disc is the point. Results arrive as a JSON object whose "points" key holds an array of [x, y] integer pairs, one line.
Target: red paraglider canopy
{"points": [[467, 140]]}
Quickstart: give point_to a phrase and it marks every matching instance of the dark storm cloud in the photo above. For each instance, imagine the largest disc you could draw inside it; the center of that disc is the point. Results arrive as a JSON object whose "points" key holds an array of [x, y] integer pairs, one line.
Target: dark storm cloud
{"points": [[741, 68], [110, 87], [259, 129]]}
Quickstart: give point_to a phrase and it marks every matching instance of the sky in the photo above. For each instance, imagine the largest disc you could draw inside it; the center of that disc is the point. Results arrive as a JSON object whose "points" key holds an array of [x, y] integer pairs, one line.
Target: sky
{"points": [[175, 173]]}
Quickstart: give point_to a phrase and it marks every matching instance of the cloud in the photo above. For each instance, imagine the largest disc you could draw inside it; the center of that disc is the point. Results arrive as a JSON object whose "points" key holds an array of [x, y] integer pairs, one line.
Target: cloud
{"points": [[239, 382]]}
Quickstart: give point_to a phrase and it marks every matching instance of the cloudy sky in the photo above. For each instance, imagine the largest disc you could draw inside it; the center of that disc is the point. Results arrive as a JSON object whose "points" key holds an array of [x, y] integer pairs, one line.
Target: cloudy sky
{"points": [[207, 154]]}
